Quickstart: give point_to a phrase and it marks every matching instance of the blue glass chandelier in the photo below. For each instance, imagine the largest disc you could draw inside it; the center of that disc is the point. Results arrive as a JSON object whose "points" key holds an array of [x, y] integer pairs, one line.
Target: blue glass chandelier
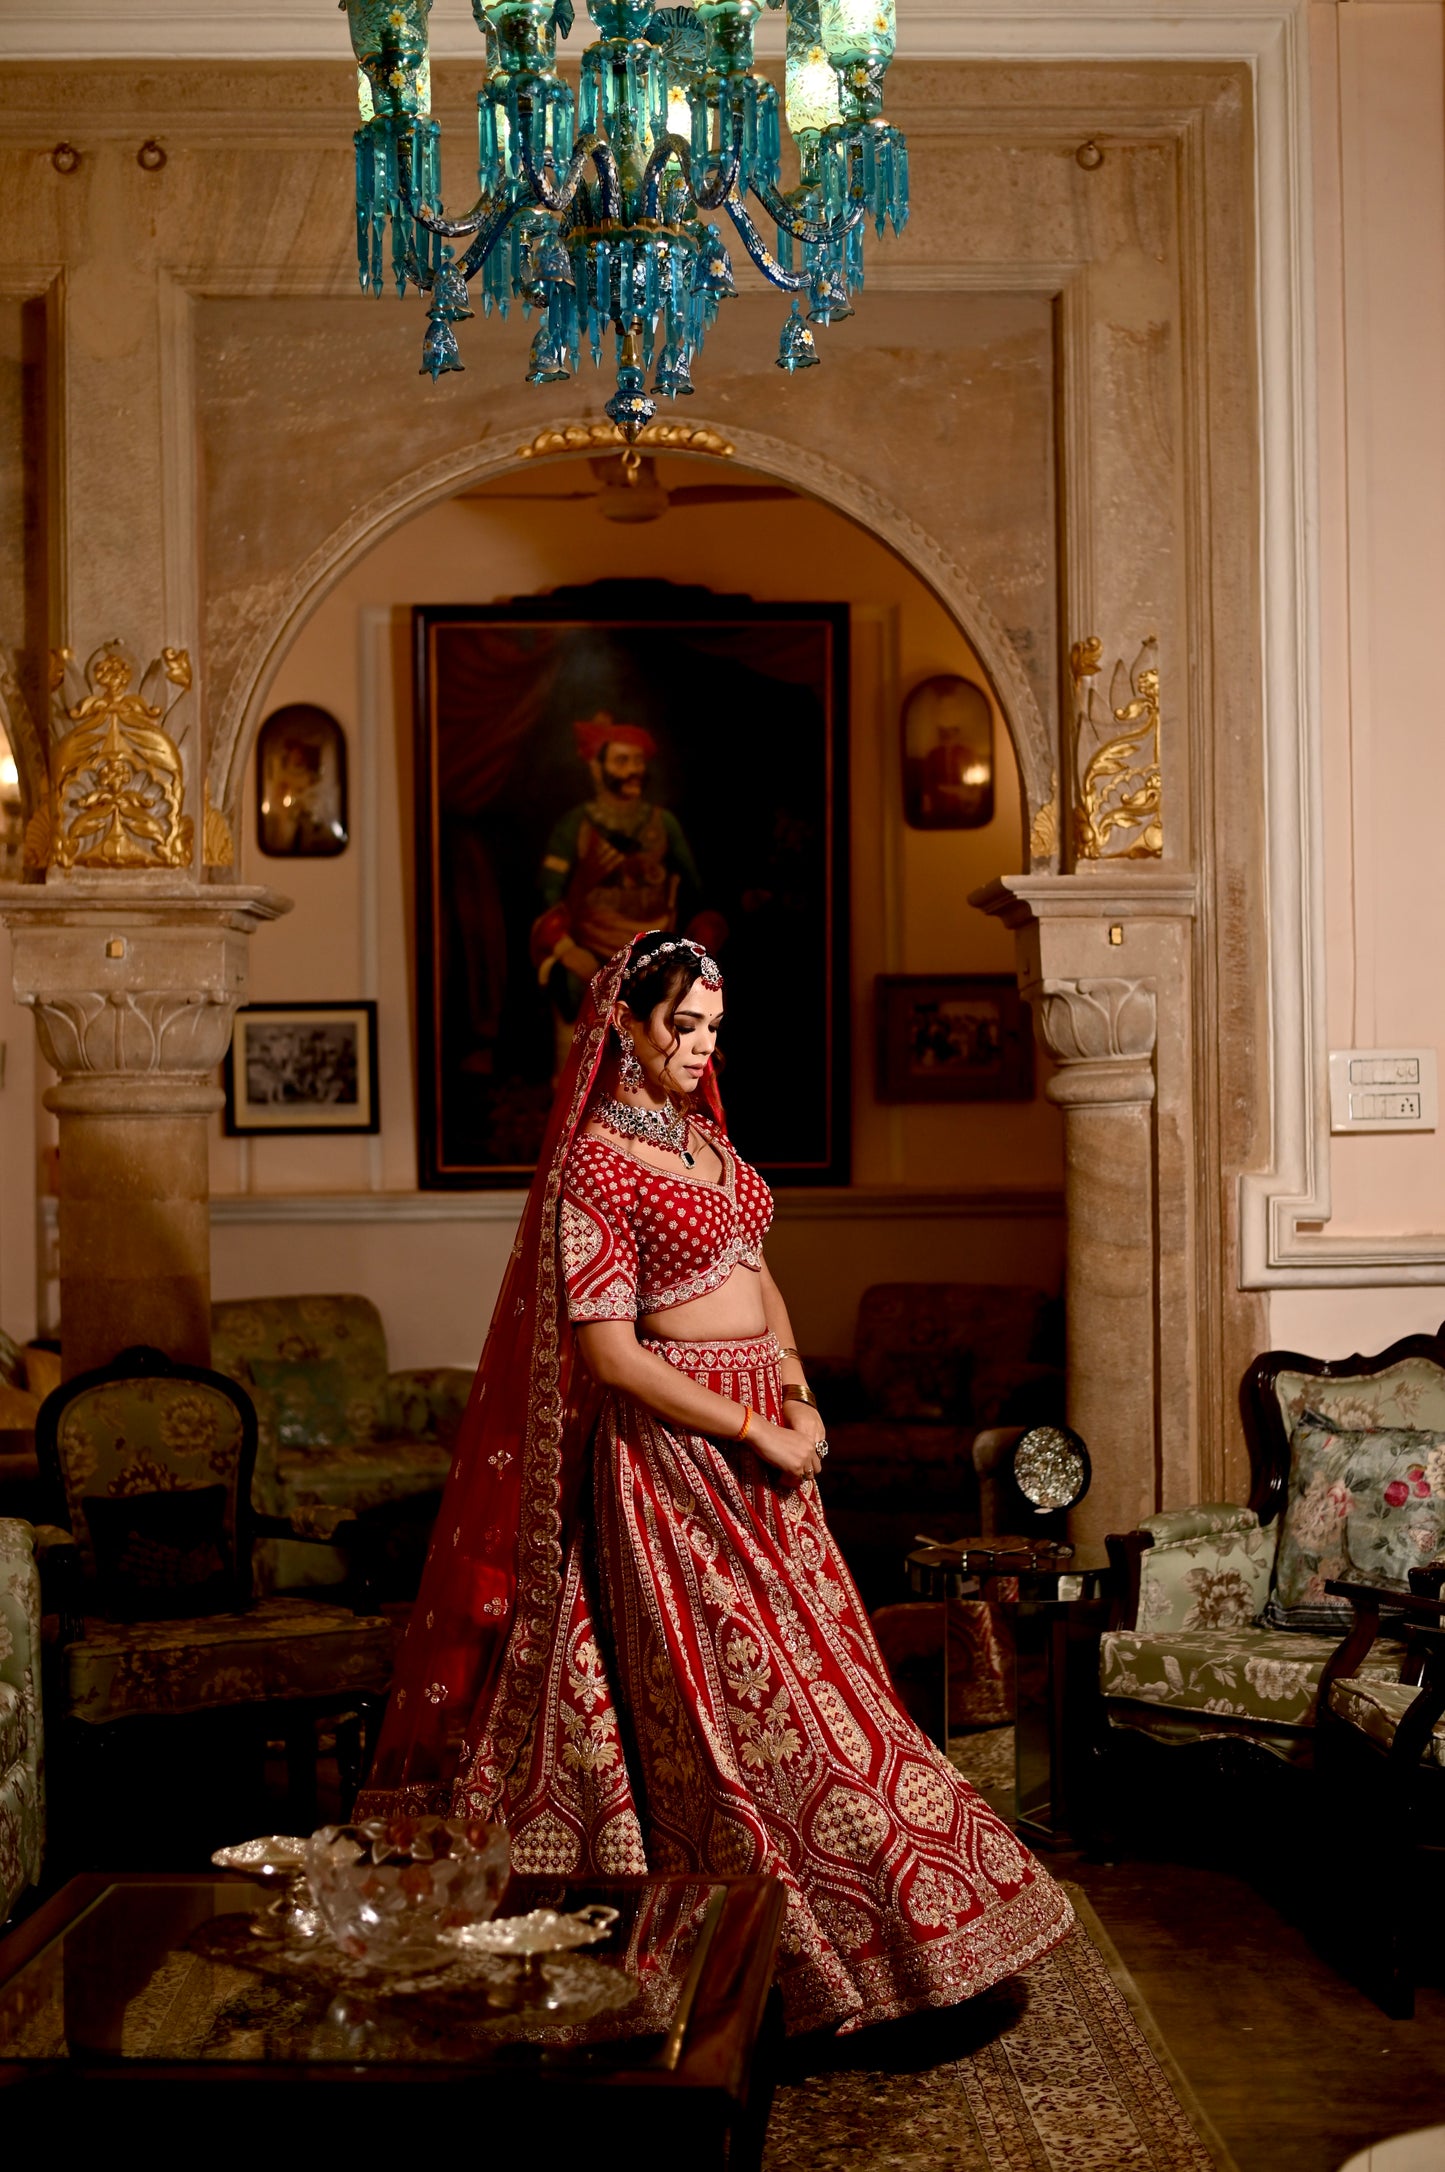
{"points": [[592, 210]]}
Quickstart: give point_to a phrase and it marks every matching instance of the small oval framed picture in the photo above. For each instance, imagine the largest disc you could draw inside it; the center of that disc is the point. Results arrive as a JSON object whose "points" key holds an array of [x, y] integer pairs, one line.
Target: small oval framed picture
{"points": [[302, 1067], [948, 755], [301, 810]]}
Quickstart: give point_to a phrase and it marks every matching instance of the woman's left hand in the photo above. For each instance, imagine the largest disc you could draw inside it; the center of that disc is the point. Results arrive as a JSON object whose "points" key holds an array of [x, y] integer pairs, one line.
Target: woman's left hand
{"points": [[804, 1419]]}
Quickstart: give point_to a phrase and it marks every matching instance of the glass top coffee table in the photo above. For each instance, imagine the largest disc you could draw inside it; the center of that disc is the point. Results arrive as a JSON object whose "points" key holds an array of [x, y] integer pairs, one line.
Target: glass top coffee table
{"points": [[161, 1978]]}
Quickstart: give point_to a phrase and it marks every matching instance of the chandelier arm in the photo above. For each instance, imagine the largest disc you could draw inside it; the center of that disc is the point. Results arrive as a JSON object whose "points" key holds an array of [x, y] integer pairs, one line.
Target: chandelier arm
{"points": [[487, 240], [449, 229], [813, 231], [604, 158], [720, 188], [757, 248], [667, 147], [557, 195]]}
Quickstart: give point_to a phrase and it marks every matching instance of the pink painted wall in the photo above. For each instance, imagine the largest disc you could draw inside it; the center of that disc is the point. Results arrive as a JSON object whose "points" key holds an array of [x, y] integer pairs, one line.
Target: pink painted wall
{"points": [[1379, 146]]}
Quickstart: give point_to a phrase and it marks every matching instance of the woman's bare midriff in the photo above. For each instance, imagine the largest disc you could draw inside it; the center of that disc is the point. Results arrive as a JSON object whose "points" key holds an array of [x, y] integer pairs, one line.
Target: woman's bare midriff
{"points": [[731, 1313]]}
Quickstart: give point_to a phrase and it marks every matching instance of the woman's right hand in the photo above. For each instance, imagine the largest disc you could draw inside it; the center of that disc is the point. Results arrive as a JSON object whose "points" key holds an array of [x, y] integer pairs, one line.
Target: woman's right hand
{"points": [[789, 1452]]}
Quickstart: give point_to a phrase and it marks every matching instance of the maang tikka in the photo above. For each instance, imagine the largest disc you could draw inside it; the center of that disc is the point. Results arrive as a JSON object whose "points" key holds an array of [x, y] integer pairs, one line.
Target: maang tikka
{"points": [[630, 1073]]}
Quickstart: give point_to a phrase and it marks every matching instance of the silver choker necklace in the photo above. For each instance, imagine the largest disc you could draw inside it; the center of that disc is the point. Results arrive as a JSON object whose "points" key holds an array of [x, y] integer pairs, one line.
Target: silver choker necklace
{"points": [[663, 1127]]}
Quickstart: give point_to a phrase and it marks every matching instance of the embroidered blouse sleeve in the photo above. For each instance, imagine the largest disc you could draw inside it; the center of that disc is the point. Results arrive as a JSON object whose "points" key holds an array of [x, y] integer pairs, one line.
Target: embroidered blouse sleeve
{"points": [[599, 1249]]}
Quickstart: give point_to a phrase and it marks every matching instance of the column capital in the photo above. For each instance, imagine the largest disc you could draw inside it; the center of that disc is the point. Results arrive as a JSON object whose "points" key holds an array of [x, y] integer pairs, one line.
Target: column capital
{"points": [[134, 989], [1101, 1034]]}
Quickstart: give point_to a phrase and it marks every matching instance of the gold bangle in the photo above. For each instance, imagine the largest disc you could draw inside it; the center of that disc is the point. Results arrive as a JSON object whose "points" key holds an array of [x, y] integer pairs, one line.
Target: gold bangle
{"points": [[789, 1353], [798, 1391], [747, 1421]]}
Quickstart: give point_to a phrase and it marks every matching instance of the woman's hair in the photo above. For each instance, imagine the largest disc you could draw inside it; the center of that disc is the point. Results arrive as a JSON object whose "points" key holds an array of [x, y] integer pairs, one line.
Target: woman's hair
{"points": [[664, 979]]}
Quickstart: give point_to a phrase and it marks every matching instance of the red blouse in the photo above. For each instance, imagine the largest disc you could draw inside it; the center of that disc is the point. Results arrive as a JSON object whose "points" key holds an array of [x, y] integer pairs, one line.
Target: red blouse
{"points": [[636, 1239]]}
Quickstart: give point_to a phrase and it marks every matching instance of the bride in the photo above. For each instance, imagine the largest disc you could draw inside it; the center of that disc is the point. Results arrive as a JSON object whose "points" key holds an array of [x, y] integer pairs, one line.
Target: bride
{"points": [[636, 1642]]}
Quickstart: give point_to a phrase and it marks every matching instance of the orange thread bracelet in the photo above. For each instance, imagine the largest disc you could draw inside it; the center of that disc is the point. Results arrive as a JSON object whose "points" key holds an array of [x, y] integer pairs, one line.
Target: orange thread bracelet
{"points": [[747, 1421]]}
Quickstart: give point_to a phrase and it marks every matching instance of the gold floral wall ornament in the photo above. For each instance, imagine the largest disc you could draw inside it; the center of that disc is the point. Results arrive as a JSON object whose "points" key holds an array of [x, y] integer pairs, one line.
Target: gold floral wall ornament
{"points": [[218, 846], [116, 777], [1044, 829], [1118, 802]]}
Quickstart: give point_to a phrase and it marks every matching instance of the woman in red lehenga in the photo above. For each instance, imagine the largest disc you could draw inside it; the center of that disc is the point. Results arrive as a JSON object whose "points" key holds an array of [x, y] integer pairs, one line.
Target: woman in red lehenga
{"points": [[678, 1674]]}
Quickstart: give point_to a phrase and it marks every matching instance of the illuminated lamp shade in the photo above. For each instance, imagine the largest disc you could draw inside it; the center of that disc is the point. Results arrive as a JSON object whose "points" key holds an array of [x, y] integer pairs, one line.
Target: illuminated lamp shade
{"points": [[858, 31], [811, 87]]}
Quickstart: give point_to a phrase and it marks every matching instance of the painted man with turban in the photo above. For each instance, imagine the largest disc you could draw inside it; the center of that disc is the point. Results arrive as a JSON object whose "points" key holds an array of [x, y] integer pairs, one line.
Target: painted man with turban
{"points": [[614, 865]]}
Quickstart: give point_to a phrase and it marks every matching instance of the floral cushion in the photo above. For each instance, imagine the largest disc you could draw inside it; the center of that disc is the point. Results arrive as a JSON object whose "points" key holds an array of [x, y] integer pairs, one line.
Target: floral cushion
{"points": [[281, 1648], [1411, 1393], [1364, 1507], [316, 1403], [146, 1436], [1377, 1709], [427, 1402], [1207, 1569], [1268, 1675], [343, 1334], [361, 1476]]}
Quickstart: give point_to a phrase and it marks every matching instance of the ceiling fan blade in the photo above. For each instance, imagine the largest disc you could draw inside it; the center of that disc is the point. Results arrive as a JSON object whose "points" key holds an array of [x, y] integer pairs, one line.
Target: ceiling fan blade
{"points": [[720, 493], [525, 497]]}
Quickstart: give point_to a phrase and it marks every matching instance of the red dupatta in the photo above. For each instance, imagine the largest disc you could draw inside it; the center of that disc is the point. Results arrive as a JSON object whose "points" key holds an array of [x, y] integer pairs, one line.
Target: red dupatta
{"points": [[470, 1670]]}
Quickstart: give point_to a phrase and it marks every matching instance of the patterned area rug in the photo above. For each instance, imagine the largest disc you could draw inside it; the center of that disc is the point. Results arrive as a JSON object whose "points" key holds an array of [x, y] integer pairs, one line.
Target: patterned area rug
{"points": [[1059, 2070]]}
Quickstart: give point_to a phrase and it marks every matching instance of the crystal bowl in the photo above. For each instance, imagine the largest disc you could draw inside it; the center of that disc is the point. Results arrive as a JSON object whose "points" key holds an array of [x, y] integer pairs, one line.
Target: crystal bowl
{"points": [[387, 1888]]}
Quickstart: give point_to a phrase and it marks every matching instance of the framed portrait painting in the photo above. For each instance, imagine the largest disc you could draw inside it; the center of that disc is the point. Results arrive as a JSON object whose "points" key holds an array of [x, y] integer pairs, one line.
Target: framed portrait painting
{"points": [[295, 1067], [624, 756], [301, 809], [953, 1037], [948, 755]]}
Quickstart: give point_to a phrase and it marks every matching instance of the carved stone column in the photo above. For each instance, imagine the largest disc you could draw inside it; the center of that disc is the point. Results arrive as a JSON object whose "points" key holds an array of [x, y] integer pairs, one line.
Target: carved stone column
{"points": [[1101, 1035], [1104, 960], [134, 988]]}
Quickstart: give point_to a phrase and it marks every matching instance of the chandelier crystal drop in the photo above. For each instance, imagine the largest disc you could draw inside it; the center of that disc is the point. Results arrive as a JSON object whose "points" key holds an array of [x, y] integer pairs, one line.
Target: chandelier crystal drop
{"points": [[592, 211]]}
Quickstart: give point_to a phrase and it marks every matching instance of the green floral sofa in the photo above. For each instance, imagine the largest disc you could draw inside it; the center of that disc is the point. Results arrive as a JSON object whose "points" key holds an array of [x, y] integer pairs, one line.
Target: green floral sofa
{"points": [[337, 1428], [22, 1787], [1223, 1625]]}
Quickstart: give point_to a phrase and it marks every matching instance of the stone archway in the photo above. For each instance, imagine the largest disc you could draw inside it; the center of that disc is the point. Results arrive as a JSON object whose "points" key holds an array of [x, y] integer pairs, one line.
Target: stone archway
{"points": [[234, 726]]}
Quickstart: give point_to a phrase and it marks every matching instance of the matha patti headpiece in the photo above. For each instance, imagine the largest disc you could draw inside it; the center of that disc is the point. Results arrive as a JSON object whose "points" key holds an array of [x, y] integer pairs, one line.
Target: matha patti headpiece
{"points": [[709, 972]]}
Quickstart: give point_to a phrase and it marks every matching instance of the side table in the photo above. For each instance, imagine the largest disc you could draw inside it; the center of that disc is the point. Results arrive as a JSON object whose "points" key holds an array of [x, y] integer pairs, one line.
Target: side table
{"points": [[1055, 1607]]}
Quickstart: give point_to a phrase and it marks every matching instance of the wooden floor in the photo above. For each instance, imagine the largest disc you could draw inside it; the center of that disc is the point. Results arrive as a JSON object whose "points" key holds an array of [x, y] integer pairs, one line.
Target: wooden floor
{"points": [[1295, 2067]]}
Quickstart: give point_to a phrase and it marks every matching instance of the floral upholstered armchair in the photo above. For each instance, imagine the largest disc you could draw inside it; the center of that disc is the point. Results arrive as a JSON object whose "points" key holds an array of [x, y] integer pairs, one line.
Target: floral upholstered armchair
{"points": [[22, 1787], [337, 1429], [1226, 1625]]}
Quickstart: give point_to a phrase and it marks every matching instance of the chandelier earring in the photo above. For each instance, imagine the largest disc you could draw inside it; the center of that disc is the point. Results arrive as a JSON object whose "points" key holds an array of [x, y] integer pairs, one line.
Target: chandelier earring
{"points": [[630, 1074]]}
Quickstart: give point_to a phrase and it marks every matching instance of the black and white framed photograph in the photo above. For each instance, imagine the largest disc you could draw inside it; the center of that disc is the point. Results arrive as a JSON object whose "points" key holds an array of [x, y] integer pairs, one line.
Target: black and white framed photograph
{"points": [[302, 1067]]}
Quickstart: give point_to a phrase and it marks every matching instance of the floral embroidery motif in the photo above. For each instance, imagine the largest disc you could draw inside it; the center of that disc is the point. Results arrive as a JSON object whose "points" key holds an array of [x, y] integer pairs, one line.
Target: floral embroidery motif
{"points": [[1223, 1599]]}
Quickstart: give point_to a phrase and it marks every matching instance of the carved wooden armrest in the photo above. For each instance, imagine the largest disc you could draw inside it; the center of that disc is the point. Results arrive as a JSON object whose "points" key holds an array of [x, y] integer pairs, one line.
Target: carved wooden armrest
{"points": [[1412, 1735], [1372, 1604]]}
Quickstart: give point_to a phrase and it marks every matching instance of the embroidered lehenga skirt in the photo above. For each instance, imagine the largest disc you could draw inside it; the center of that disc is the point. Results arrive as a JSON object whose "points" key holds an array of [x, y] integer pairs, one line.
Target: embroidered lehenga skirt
{"points": [[716, 1702]]}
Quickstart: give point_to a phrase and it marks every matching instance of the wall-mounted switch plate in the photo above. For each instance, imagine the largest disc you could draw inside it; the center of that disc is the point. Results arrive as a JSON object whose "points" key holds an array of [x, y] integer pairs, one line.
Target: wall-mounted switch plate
{"points": [[1383, 1089]]}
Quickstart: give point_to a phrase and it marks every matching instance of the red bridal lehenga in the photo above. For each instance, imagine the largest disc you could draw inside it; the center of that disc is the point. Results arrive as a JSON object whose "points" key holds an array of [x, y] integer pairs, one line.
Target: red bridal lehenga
{"points": [[640, 1647]]}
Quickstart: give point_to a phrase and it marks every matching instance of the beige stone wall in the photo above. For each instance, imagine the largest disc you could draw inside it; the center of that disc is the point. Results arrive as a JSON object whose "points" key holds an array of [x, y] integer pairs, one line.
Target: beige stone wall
{"points": [[236, 430]]}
